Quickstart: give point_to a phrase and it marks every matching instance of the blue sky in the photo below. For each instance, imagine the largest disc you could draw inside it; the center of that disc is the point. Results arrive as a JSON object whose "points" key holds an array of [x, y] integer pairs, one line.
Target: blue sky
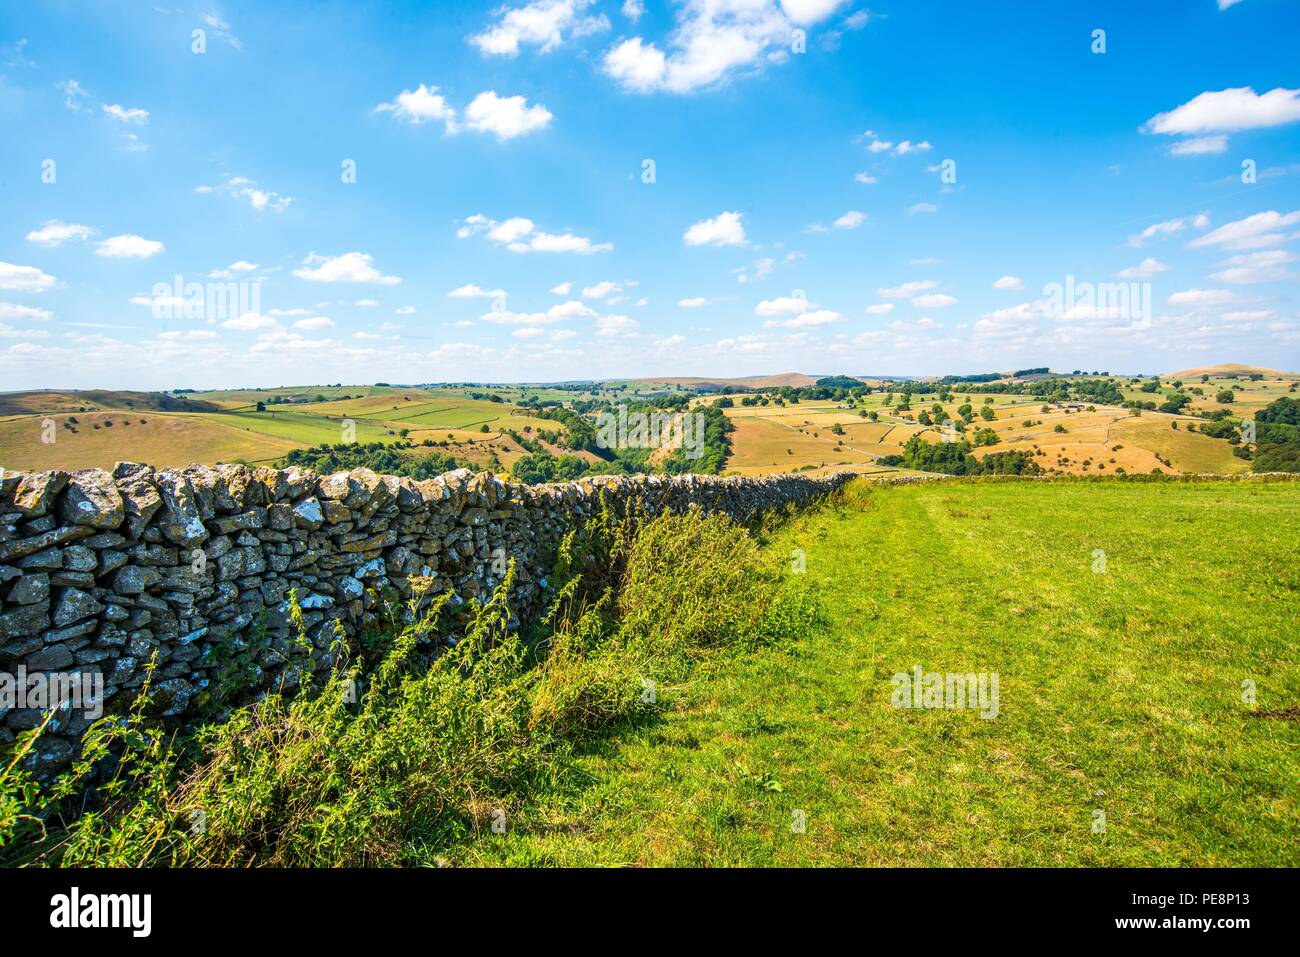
{"points": [[501, 227]]}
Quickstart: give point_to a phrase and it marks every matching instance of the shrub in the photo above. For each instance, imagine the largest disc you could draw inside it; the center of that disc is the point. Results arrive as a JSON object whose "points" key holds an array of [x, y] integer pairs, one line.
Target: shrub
{"points": [[422, 757]]}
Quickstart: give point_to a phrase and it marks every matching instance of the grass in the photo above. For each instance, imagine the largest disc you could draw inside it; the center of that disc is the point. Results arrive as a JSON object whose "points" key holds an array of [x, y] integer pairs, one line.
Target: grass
{"points": [[1120, 692], [699, 691], [434, 750]]}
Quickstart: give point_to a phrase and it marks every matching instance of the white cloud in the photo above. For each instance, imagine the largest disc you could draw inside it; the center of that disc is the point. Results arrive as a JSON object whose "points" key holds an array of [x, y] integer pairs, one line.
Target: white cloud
{"points": [[850, 220], [511, 230], [1265, 266], [190, 335], [288, 312], [53, 233], [136, 117], [1144, 270], [782, 305], [471, 291], [632, 9], [13, 312], [907, 290], [922, 208], [505, 117], [73, 93], [1225, 4], [349, 267], [600, 290], [424, 104], [1249, 233], [402, 311], [314, 323], [920, 325], [725, 229], [806, 320], [128, 247], [934, 300], [712, 41], [609, 326], [901, 148], [250, 322], [542, 23], [1168, 227], [880, 308], [220, 29], [1014, 283], [561, 312], [560, 243], [1201, 297], [562, 289], [571, 310], [1200, 146], [1228, 111], [760, 270], [865, 178], [520, 235], [241, 187]]}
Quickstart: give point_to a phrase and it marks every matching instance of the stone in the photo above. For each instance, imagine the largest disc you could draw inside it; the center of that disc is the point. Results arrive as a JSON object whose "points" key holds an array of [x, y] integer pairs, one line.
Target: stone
{"points": [[179, 519], [74, 605], [29, 590], [36, 492], [23, 621], [92, 499], [308, 514], [135, 579], [79, 558], [110, 572], [50, 658], [22, 547]]}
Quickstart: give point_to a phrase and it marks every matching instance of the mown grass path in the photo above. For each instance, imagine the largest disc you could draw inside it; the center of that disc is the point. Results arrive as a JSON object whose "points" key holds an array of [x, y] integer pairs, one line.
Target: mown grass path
{"points": [[1121, 692]]}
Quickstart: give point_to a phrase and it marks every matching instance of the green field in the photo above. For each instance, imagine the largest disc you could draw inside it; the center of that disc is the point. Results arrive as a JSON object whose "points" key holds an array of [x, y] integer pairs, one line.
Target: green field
{"points": [[1121, 692], [1141, 634]]}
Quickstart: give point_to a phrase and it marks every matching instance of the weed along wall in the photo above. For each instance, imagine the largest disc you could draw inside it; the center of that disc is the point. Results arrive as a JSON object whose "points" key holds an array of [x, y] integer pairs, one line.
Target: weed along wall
{"points": [[100, 571]]}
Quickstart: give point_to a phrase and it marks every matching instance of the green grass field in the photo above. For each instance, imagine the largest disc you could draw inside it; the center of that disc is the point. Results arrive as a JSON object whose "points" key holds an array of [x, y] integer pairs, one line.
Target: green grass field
{"points": [[1120, 691]]}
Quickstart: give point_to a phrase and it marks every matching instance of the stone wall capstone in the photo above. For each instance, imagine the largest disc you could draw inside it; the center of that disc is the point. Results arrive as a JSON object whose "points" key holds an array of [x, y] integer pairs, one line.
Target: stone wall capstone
{"points": [[100, 571]]}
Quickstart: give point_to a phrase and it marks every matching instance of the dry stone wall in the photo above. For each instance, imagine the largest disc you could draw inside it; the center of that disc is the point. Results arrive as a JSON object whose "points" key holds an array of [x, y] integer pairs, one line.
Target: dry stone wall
{"points": [[101, 571]]}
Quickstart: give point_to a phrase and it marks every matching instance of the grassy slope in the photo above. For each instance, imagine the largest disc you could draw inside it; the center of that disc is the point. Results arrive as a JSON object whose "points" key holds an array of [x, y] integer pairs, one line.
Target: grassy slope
{"points": [[1119, 691]]}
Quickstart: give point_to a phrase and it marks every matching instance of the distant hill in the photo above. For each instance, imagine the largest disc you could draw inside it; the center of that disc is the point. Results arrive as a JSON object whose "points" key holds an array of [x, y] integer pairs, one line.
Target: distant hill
{"points": [[794, 379], [98, 400], [1230, 368]]}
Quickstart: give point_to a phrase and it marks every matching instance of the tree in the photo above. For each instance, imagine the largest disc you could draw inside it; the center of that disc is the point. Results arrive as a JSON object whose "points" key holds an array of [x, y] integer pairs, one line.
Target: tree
{"points": [[1225, 396]]}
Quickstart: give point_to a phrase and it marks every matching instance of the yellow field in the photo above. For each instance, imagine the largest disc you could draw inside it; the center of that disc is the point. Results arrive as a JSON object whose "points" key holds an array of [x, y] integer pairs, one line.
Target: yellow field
{"points": [[162, 439], [768, 438], [795, 437], [236, 431], [1250, 397]]}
